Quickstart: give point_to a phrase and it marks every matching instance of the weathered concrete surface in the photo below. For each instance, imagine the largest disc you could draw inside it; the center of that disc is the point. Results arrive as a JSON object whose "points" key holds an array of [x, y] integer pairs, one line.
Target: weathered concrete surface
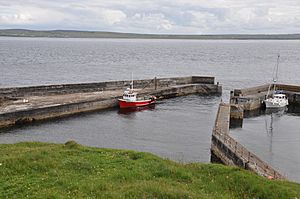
{"points": [[55, 100], [231, 153], [252, 98], [22, 105], [236, 116], [222, 119]]}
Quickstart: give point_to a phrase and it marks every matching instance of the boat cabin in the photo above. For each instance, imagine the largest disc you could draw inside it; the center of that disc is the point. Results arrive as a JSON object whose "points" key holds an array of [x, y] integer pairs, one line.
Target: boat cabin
{"points": [[129, 95], [280, 96]]}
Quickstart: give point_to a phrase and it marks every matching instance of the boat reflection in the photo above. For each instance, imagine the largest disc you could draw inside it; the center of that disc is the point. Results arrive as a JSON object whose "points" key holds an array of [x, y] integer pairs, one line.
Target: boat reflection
{"points": [[259, 112], [270, 115], [127, 111], [278, 112]]}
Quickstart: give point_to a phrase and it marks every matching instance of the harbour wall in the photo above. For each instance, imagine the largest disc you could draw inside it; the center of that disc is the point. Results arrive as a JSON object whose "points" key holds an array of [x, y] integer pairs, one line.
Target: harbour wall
{"points": [[227, 150], [162, 88], [15, 92], [252, 98], [43, 113]]}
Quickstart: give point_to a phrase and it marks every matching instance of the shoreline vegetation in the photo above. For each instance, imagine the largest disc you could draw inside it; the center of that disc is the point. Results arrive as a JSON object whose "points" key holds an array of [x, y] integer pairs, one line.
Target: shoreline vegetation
{"points": [[70, 170], [100, 34]]}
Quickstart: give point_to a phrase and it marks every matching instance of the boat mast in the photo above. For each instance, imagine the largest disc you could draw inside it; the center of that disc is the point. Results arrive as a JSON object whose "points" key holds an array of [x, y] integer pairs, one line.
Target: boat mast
{"points": [[276, 74], [132, 81], [274, 78]]}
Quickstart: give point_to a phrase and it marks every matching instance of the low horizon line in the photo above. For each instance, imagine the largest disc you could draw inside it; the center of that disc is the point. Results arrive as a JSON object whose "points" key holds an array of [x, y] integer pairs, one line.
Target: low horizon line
{"points": [[135, 33]]}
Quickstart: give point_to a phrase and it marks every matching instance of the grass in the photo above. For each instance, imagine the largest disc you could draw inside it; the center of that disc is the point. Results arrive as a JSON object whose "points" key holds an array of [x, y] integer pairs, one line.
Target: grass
{"points": [[41, 170]]}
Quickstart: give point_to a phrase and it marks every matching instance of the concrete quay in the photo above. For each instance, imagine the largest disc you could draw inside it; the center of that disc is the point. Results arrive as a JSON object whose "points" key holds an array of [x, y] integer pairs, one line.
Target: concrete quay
{"points": [[227, 150], [20, 105], [252, 98], [243, 102]]}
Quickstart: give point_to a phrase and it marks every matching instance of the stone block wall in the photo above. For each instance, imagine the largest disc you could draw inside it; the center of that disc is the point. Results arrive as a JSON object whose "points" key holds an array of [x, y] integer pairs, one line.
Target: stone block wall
{"points": [[15, 92]]}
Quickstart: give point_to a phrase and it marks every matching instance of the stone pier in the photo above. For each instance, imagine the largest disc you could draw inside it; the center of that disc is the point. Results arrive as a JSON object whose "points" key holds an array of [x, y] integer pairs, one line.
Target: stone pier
{"points": [[20, 105], [230, 152]]}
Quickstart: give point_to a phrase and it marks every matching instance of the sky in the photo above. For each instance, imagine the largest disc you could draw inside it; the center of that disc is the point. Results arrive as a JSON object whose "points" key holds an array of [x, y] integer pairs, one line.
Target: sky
{"points": [[155, 16]]}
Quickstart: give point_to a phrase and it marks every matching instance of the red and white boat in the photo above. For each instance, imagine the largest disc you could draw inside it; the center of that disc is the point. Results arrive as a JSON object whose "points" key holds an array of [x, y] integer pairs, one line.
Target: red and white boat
{"points": [[130, 99]]}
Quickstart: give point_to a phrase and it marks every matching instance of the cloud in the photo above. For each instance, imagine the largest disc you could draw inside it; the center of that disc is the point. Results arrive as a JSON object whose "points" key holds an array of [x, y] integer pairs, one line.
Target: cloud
{"points": [[156, 22], [156, 16], [112, 17], [27, 15]]}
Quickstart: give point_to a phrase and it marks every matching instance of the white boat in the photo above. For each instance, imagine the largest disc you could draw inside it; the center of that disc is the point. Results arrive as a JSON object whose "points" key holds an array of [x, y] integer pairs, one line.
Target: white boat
{"points": [[277, 99]]}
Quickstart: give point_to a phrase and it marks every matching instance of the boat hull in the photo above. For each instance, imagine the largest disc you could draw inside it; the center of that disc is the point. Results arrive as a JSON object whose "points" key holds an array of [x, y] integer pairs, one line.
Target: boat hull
{"points": [[275, 104], [129, 104]]}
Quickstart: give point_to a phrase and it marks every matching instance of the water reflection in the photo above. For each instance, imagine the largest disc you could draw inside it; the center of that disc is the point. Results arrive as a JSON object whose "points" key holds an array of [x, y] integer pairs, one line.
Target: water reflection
{"points": [[132, 110], [270, 115], [278, 112], [272, 134], [294, 109], [291, 109]]}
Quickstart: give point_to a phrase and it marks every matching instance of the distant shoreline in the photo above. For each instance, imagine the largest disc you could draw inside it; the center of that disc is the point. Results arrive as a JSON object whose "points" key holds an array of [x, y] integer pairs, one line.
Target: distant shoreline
{"points": [[111, 35]]}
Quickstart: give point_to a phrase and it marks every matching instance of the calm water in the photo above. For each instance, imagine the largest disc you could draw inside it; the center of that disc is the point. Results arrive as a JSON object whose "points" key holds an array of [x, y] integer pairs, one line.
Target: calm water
{"points": [[178, 128], [275, 137]]}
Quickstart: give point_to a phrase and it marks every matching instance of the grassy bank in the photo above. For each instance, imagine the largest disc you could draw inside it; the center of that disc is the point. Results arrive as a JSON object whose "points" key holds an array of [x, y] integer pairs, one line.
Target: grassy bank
{"points": [[40, 170]]}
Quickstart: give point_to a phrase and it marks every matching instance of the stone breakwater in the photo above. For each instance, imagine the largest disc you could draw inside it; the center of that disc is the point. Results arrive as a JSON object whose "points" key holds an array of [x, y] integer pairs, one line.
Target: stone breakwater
{"points": [[20, 105]]}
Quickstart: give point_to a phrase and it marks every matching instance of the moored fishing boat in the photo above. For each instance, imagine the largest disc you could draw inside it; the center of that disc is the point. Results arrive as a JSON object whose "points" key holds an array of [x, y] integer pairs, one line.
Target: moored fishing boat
{"points": [[130, 99]]}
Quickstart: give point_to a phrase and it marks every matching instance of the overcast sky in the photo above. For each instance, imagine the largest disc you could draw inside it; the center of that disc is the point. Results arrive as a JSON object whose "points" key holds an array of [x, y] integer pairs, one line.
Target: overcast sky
{"points": [[156, 16]]}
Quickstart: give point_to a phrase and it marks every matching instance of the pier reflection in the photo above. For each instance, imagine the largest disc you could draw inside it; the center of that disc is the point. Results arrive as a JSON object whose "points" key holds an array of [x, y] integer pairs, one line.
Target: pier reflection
{"points": [[294, 109], [291, 109]]}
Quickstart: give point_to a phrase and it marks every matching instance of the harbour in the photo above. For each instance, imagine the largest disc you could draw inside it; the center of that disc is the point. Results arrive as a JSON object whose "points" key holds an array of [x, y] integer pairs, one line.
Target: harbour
{"points": [[189, 140], [150, 99]]}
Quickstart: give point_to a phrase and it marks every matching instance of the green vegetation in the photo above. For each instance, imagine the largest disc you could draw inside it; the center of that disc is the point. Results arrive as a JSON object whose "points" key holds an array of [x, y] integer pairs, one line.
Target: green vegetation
{"points": [[40, 170], [100, 34]]}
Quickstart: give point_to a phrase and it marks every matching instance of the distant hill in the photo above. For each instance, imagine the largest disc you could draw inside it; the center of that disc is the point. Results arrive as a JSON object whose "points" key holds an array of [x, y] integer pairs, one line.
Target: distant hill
{"points": [[99, 34]]}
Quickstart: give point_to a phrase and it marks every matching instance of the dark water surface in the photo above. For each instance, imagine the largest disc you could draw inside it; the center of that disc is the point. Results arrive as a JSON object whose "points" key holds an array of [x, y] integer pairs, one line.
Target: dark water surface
{"points": [[178, 128], [275, 137]]}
